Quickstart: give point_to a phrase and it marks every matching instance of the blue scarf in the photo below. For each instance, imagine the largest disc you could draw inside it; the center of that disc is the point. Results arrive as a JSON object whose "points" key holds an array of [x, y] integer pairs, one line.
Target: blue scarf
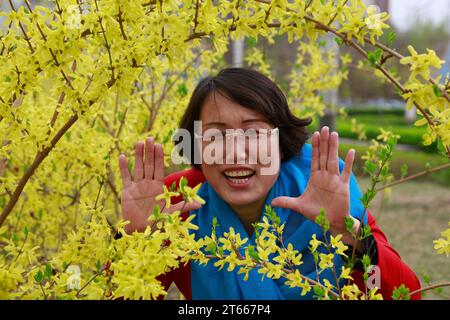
{"points": [[209, 283]]}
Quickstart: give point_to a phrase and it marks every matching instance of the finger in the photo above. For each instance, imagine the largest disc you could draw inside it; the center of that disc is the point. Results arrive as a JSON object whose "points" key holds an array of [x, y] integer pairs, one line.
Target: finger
{"points": [[149, 162], [124, 172], [159, 163], [346, 173], [333, 156], [184, 206], [323, 155], [315, 151], [138, 161], [288, 203]]}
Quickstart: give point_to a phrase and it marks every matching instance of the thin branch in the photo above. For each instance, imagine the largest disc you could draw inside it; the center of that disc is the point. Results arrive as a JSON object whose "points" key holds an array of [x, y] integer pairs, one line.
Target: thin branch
{"points": [[22, 28], [120, 21], [400, 57], [417, 175], [106, 43], [103, 268], [333, 269], [196, 16], [154, 109], [98, 193], [40, 156], [337, 13], [55, 59], [432, 287]]}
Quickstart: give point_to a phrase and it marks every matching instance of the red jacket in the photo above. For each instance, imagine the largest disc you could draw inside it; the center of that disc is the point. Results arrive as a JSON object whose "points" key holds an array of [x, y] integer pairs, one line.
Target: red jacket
{"points": [[393, 271]]}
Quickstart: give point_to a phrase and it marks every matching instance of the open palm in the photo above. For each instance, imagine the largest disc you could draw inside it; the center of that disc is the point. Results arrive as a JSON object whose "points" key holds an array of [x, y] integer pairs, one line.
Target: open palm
{"points": [[139, 192], [326, 189]]}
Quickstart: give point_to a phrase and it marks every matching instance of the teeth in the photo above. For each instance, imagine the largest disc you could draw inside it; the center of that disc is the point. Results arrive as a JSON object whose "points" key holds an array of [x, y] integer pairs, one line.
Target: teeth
{"points": [[238, 181], [240, 173]]}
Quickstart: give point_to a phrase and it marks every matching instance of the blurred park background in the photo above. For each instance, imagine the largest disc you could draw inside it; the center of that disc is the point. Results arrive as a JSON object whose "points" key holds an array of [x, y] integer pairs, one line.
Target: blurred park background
{"points": [[411, 214]]}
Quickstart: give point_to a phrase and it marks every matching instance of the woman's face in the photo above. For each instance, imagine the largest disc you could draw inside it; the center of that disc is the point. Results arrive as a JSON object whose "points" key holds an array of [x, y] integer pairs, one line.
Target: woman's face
{"points": [[241, 179]]}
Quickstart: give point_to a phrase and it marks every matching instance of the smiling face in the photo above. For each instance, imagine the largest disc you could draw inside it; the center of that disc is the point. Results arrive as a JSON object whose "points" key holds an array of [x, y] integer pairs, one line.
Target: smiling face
{"points": [[239, 181]]}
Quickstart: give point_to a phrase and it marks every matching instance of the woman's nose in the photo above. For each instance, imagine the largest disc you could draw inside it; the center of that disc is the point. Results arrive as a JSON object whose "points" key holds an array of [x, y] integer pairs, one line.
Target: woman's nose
{"points": [[235, 149]]}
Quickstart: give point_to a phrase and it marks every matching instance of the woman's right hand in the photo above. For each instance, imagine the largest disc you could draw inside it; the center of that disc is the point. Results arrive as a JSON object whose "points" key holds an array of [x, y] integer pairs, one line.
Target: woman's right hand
{"points": [[139, 191]]}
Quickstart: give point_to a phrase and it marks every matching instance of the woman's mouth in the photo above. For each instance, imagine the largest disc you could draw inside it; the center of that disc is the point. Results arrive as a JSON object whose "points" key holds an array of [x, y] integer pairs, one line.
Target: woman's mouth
{"points": [[238, 177]]}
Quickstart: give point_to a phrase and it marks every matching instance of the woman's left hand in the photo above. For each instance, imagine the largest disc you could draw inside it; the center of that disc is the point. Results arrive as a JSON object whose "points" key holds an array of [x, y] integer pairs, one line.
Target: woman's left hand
{"points": [[326, 189]]}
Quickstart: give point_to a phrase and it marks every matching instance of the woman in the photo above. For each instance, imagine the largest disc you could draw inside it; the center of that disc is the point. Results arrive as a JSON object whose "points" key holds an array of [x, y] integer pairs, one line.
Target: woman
{"points": [[307, 178]]}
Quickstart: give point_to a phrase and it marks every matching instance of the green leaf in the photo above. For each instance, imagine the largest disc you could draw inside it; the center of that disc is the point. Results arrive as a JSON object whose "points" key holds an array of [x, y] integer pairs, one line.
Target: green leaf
{"points": [[401, 293], [38, 277], [215, 222], [439, 290], [120, 116], [339, 41], [211, 248], [173, 186], [349, 223], [372, 58], [366, 261], [437, 91], [48, 271], [322, 220], [370, 167], [168, 136], [65, 265], [252, 252], [156, 211], [318, 291], [68, 135], [375, 56], [183, 182], [40, 213], [257, 228], [251, 42], [15, 238], [391, 37], [182, 90], [100, 180], [365, 231]]}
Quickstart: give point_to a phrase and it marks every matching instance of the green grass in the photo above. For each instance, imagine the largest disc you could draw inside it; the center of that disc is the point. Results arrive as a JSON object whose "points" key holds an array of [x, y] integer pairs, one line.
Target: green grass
{"points": [[374, 110], [409, 134], [382, 120]]}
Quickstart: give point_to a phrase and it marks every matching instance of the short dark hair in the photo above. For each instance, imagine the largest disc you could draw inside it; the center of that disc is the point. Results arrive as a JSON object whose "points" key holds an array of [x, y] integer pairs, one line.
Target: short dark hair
{"points": [[253, 90]]}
